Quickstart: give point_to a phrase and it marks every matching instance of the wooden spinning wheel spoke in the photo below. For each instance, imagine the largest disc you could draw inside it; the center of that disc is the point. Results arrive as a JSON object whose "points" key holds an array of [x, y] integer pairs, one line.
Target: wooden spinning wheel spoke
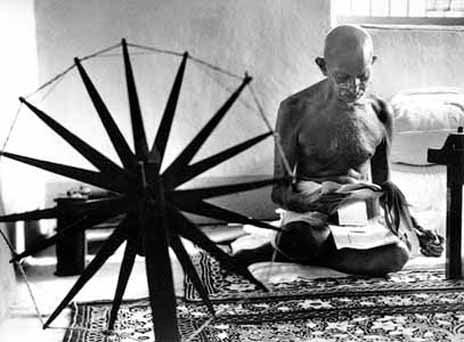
{"points": [[213, 211], [105, 208], [79, 226], [193, 195], [124, 273], [138, 131], [159, 145], [109, 247], [189, 152], [191, 232], [101, 180], [189, 269], [97, 159], [119, 143], [114, 205], [194, 170], [32, 215], [153, 221]]}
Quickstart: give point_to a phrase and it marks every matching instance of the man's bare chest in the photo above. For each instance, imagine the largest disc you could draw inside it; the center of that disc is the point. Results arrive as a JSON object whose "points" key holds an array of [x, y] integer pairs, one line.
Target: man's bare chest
{"points": [[350, 136]]}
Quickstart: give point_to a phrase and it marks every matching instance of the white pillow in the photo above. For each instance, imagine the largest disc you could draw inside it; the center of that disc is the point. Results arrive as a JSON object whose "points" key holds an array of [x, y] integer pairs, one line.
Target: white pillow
{"points": [[423, 119]]}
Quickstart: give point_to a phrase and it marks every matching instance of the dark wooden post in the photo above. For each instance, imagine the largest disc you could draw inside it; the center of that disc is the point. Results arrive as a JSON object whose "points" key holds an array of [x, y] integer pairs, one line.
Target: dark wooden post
{"points": [[72, 248], [156, 249], [452, 155]]}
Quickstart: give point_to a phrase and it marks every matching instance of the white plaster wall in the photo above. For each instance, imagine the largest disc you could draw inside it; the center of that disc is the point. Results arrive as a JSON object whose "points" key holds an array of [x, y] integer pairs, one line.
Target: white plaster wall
{"points": [[416, 58], [18, 75], [7, 280], [275, 41]]}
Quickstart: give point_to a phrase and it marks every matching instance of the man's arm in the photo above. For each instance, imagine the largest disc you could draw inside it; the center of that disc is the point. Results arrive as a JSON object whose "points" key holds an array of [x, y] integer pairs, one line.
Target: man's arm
{"points": [[285, 194], [380, 165], [281, 192]]}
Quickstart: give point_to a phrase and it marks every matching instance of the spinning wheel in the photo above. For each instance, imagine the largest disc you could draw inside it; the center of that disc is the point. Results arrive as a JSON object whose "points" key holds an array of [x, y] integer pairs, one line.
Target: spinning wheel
{"points": [[153, 206]]}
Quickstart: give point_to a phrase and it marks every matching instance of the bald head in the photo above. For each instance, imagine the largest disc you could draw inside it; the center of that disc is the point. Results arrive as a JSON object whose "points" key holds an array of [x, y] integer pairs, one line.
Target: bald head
{"points": [[347, 62], [348, 44]]}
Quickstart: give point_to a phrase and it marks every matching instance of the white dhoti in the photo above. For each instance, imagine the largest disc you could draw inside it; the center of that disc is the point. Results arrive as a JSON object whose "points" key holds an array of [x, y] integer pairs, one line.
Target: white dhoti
{"points": [[371, 235]]}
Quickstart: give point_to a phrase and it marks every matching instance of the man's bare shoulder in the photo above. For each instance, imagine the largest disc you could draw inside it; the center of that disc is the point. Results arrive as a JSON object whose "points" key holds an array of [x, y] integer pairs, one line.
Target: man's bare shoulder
{"points": [[301, 103], [382, 108]]}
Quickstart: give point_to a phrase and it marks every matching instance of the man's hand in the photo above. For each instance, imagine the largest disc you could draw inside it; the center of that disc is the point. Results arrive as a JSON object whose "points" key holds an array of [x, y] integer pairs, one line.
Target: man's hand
{"points": [[328, 196], [431, 243], [350, 177], [328, 203]]}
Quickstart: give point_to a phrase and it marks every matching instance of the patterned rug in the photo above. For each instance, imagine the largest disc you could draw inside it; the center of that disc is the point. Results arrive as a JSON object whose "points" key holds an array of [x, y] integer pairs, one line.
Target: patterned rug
{"points": [[223, 286], [409, 306]]}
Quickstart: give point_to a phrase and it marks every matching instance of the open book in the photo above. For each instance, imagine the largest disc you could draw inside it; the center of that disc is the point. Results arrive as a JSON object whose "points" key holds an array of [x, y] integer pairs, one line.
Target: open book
{"points": [[328, 196], [361, 186]]}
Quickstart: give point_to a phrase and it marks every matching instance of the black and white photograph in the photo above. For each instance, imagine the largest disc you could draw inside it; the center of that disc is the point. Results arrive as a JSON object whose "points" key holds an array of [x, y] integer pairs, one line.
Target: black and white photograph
{"points": [[231, 171]]}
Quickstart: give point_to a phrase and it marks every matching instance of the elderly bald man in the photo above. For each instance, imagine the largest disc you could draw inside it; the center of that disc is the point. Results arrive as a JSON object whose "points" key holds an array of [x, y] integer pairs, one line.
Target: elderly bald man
{"points": [[334, 133]]}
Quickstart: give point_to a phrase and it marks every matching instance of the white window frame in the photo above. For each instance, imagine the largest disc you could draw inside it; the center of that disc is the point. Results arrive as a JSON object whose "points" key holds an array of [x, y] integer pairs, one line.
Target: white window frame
{"points": [[390, 21], [432, 20]]}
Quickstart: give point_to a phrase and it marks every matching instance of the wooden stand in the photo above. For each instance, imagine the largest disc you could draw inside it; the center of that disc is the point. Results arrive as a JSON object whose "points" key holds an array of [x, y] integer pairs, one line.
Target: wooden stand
{"points": [[452, 155], [72, 248]]}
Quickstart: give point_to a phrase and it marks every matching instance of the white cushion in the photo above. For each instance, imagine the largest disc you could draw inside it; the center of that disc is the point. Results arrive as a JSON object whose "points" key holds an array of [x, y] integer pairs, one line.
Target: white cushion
{"points": [[423, 119]]}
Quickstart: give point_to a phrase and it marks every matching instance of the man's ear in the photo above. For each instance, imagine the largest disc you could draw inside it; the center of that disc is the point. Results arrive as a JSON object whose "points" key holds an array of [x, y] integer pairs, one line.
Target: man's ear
{"points": [[322, 65], [374, 58]]}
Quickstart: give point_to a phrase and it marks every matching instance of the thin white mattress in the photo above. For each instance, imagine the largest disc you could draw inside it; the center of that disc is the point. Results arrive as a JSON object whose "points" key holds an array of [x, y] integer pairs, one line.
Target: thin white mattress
{"points": [[425, 190]]}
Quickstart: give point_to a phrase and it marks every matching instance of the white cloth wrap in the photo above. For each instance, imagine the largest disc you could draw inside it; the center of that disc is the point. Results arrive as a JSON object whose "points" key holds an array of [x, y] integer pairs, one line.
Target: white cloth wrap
{"points": [[374, 234]]}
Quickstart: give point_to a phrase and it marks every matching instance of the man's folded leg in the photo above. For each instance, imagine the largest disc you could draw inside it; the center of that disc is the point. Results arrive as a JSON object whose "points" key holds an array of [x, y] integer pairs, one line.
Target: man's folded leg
{"points": [[298, 242]]}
